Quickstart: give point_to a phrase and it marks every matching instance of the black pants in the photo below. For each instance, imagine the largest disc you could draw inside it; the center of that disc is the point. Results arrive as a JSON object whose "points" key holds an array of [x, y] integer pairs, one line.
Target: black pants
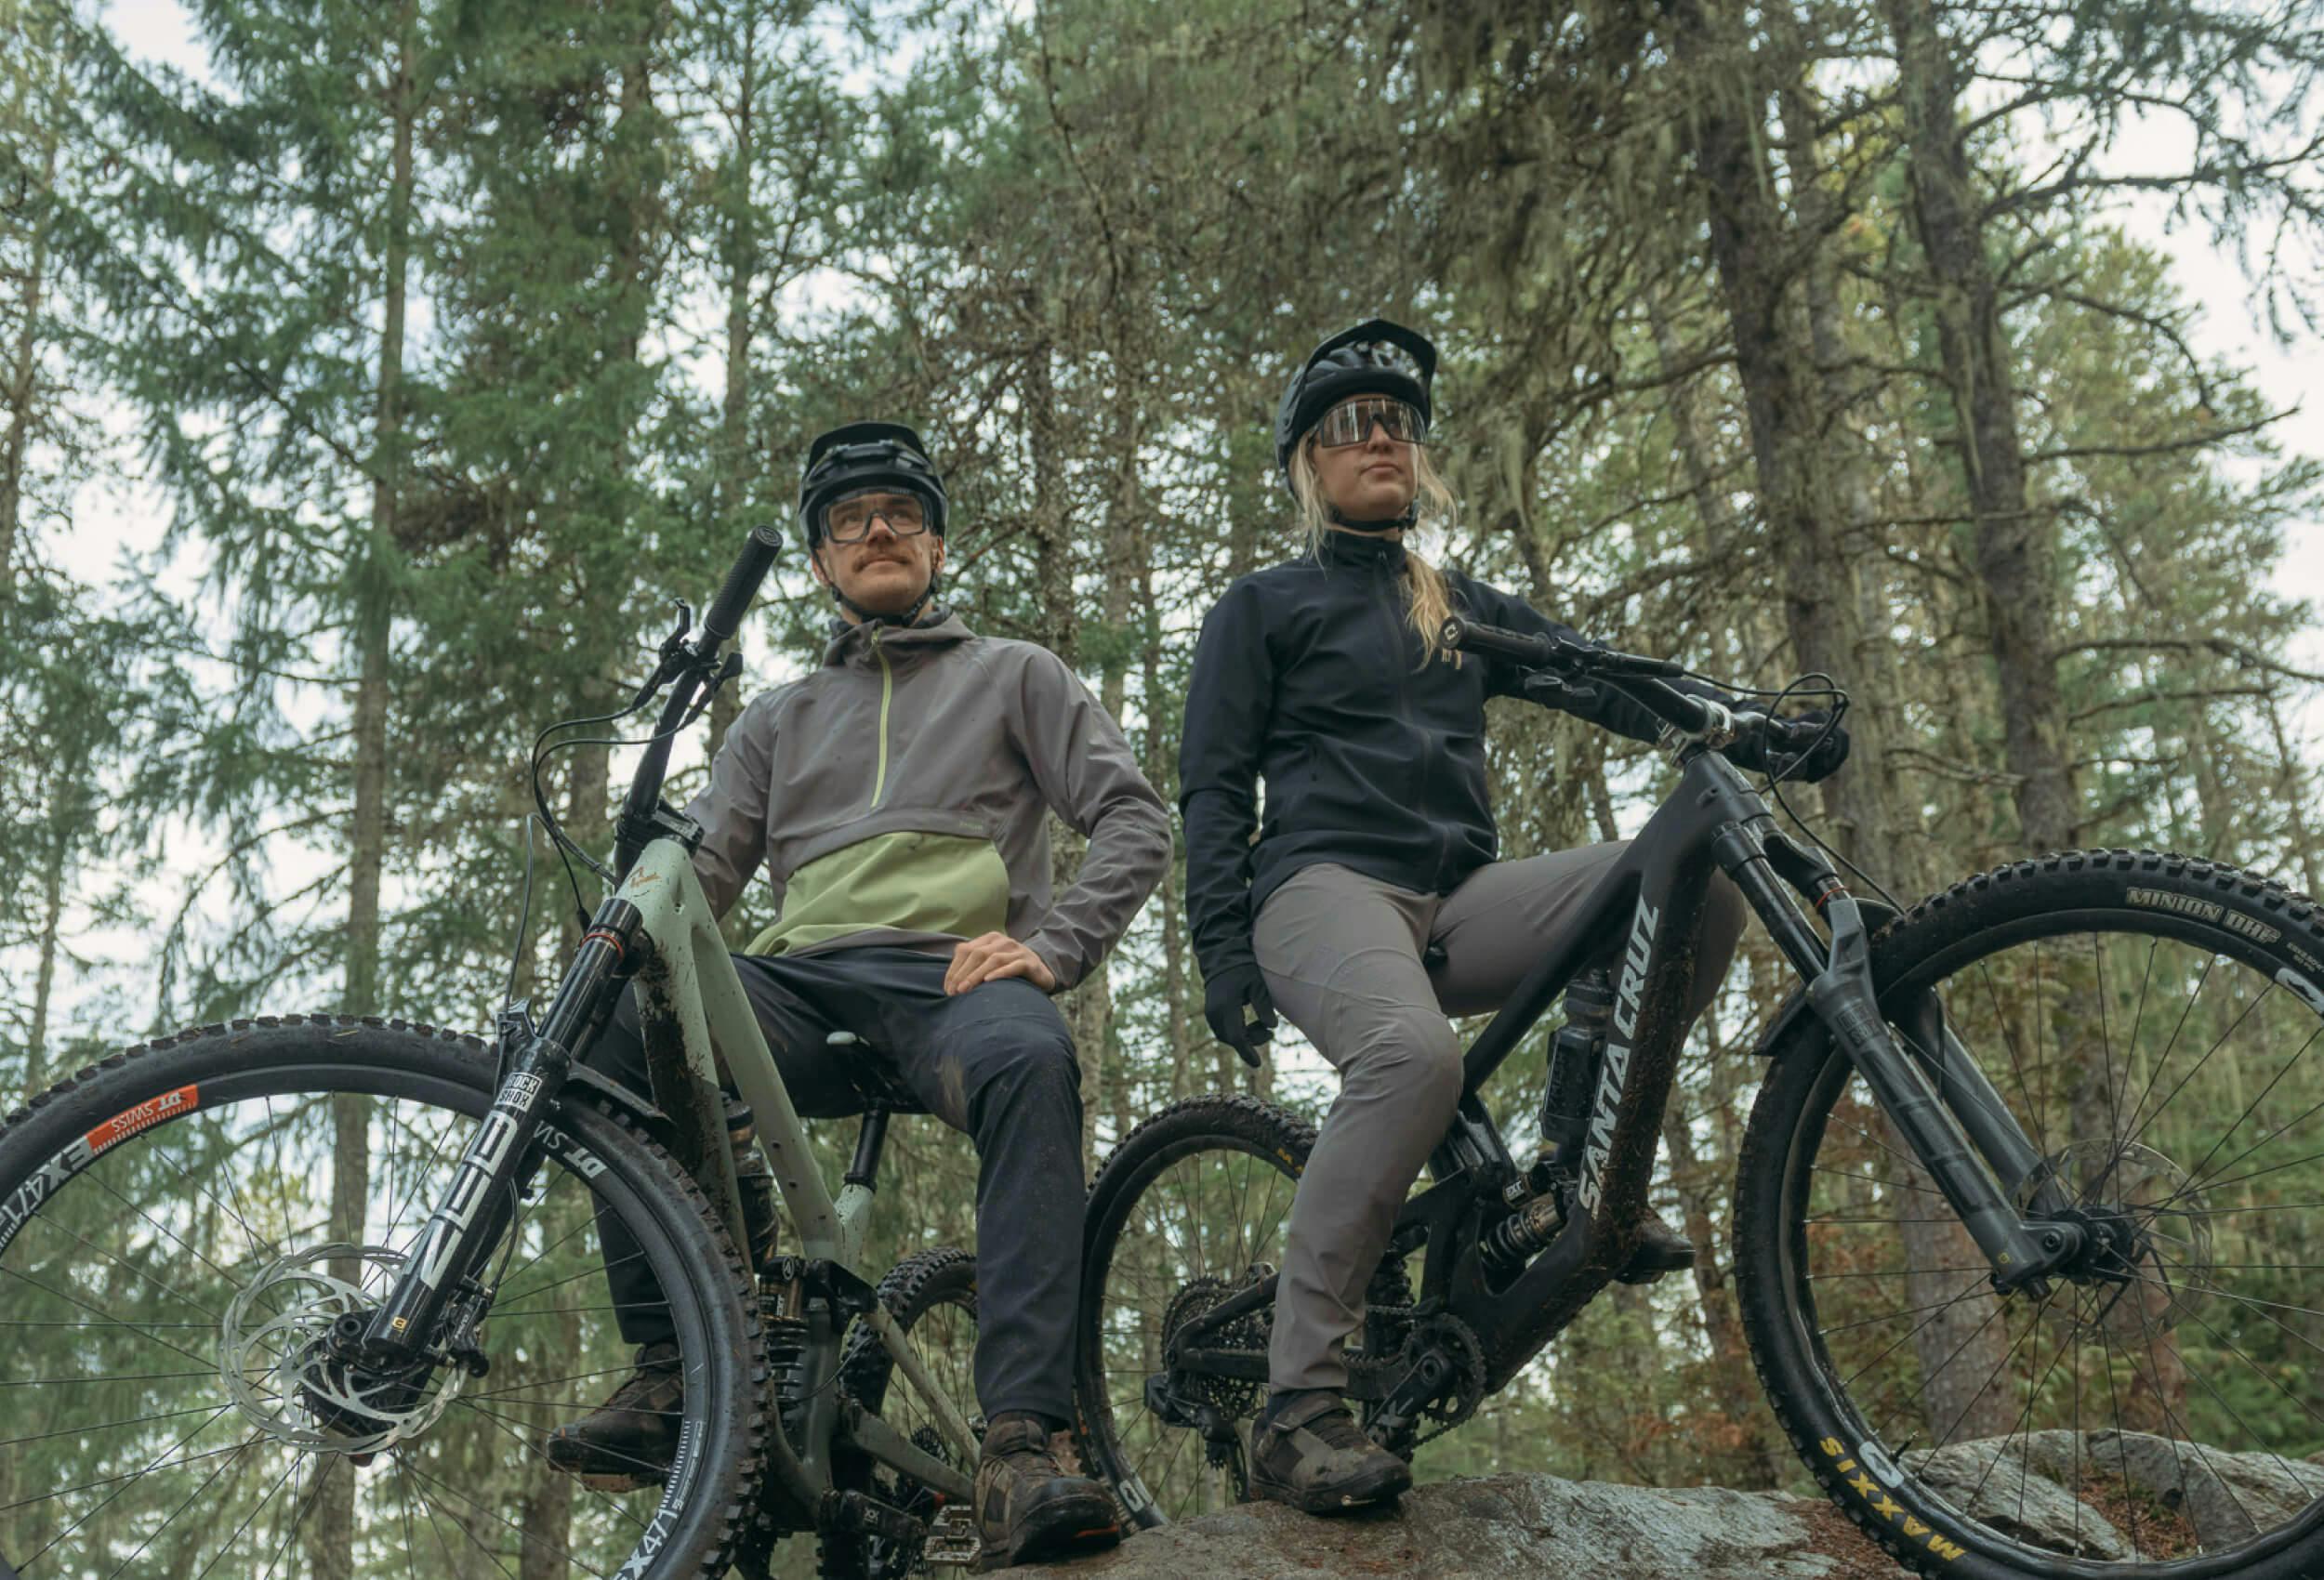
{"points": [[996, 1062]]}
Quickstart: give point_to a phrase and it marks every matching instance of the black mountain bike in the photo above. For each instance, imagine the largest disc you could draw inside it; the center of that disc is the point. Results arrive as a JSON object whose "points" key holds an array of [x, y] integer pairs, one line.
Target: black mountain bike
{"points": [[302, 1296], [2026, 1227]]}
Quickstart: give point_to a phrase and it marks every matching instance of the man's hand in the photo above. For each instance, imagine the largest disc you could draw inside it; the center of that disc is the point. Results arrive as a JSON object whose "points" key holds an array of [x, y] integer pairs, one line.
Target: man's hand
{"points": [[995, 956]]}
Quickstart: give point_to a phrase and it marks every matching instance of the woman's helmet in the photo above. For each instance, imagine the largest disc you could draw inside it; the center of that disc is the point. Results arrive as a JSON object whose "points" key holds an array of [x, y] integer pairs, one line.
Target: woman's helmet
{"points": [[857, 457], [1375, 358]]}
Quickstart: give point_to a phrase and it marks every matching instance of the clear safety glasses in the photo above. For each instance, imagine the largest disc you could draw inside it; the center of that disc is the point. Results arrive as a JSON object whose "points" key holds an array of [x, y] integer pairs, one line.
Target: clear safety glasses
{"points": [[1350, 422], [849, 517]]}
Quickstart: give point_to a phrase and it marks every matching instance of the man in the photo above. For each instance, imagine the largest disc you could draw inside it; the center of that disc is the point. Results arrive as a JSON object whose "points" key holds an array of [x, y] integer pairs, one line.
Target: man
{"points": [[898, 799]]}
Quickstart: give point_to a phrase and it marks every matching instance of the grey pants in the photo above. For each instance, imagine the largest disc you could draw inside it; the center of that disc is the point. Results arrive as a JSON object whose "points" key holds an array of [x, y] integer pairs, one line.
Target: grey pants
{"points": [[1342, 956]]}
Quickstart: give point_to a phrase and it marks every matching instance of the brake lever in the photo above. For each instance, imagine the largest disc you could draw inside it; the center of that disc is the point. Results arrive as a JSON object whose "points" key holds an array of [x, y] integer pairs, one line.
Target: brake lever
{"points": [[1555, 690]]}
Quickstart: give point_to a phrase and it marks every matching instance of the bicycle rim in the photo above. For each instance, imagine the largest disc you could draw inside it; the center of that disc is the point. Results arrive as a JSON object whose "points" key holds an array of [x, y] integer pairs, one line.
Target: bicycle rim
{"points": [[2152, 1407], [164, 1275]]}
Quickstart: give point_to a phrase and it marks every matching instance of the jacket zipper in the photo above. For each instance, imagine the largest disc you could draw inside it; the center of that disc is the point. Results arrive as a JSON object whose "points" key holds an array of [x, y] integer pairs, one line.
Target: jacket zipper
{"points": [[887, 696], [1386, 588]]}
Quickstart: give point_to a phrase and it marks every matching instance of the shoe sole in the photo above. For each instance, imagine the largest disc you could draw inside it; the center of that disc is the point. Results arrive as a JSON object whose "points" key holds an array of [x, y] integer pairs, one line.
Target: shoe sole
{"points": [[1386, 1488], [1075, 1535]]}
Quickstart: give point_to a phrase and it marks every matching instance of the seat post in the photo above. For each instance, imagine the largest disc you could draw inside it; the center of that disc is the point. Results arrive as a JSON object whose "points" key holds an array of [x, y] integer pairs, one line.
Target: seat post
{"points": [[869, 1140]]}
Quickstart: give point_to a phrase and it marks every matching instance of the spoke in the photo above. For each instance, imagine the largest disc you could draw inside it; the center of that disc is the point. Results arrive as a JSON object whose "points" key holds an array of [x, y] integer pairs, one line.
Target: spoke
{"points": [[206, 1362], [146, 1273], [2233, 1026], [2251, 1108], [2194, 1184], [533, 1450], [1873, 1180], [233, 1460], [288, 1471], [108, 1426], [461, 1525], [97, 1177], [162, 1463]]}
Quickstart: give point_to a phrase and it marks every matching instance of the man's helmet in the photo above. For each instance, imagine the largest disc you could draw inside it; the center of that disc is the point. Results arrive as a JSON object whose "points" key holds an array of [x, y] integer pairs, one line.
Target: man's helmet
{"points": [[1375, 358], [860, 456]]}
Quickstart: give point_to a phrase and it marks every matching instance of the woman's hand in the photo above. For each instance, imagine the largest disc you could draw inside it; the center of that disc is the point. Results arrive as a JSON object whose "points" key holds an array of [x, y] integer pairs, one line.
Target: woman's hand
{"points": [[1223, 1000], [995, 956]]}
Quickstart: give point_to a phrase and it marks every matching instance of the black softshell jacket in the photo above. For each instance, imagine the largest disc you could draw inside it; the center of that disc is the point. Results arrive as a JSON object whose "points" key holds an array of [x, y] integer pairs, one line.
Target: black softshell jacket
{"points": [[1309, 674]]}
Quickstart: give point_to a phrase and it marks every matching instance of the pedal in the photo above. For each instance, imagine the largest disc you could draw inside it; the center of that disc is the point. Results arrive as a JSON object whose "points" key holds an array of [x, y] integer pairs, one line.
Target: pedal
{"points": [[952, 1539]]}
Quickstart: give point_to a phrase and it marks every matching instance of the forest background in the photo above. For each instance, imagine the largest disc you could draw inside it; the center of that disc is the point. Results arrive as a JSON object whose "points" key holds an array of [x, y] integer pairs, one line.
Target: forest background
{"points": [[375, 374]]}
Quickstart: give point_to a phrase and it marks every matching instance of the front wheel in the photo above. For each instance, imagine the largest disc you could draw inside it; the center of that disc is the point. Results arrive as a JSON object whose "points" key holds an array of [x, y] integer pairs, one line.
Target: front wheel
{"points": [[2151, 1023], [179, 1227]]}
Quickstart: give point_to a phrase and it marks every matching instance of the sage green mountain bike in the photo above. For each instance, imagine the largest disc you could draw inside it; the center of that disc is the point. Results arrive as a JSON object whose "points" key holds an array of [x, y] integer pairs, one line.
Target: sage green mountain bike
{"points": [[302, 1296]]}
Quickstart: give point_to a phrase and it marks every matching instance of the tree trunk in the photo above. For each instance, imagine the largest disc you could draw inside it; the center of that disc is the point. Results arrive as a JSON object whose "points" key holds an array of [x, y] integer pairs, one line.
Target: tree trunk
{"points": [[741, 262], [2015, 546], [23, 363], [1758, 252], [51, 929]]}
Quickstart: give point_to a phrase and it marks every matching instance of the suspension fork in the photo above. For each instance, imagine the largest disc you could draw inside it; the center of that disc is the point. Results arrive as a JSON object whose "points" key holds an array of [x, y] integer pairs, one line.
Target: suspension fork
{"points": [[1956, 1125], [500, 1161]]}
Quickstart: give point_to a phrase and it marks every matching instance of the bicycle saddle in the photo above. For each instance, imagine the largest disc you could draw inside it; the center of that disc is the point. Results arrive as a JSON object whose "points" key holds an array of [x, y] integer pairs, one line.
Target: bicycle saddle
{"points": [[873, 1077]]}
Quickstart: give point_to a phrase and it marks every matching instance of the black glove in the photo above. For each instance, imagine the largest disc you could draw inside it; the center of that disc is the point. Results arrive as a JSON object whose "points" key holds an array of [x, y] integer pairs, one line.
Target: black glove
{"points": [[1784, 736], [1224, 998]]}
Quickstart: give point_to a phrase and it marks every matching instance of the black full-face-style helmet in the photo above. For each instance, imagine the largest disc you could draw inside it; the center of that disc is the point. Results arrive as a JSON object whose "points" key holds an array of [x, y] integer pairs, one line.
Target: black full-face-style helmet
{"points": [[868, 455], [1375, 358]]}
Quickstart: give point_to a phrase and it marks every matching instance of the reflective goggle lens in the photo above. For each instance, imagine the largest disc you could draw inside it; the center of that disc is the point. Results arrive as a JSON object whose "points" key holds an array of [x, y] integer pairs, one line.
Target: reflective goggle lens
{"points": [[848, 518], [1350, 422]]}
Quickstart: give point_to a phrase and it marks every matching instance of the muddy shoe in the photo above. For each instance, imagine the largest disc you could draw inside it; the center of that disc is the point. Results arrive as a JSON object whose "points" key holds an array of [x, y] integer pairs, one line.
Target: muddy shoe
{"points": [[1307, 1452], [1028, 1505], [1660, 1249], [627, 1442]]}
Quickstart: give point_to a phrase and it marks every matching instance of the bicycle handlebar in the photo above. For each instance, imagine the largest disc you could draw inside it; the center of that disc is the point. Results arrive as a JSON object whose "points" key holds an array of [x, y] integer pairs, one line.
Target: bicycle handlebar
{"points": [[741, 586], [698, 667], [1635, 674]]}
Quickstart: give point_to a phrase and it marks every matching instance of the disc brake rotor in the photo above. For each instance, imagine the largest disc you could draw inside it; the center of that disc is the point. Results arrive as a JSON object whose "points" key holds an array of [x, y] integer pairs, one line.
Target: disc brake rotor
{"points": [[276, 1364]]}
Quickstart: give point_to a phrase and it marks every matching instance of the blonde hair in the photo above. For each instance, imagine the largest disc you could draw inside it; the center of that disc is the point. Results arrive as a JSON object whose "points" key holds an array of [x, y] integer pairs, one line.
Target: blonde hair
{"points": [[1428, 601]]}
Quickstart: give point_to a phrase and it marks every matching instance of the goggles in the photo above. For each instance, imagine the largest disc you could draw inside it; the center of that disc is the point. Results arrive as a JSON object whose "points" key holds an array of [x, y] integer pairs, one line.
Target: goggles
{"points": [[848, 519], [1350, 422]]}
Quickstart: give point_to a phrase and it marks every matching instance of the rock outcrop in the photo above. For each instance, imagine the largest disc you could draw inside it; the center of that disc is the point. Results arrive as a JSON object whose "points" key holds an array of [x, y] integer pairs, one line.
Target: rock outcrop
{"points": [[1503, 1527], [2136, 1494]]}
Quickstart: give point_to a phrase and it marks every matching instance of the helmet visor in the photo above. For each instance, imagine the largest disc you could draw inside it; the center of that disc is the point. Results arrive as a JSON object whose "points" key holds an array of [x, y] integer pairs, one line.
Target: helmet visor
{"points": [[849, 517], [1350, 422]]}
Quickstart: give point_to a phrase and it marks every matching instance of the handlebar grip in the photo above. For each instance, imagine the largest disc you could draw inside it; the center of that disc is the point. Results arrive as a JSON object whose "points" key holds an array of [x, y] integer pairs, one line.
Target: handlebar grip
{"points": [[742, 585], [1467, 635]]}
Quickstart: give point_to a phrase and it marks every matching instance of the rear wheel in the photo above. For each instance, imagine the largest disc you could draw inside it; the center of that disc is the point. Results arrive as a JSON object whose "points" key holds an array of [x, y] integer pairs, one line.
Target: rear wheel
{"points": [[2152, 1023], [933, 1296], [1190, 1208], [181, 1224]]}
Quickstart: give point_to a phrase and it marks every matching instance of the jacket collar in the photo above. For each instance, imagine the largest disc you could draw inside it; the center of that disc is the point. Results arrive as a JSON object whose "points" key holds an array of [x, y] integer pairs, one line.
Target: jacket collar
{"points": [[938, 629], [1360, 549]]}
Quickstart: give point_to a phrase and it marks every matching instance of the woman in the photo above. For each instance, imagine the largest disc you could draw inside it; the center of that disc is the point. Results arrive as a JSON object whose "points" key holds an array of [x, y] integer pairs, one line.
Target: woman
{"points": [[1324, 675]]}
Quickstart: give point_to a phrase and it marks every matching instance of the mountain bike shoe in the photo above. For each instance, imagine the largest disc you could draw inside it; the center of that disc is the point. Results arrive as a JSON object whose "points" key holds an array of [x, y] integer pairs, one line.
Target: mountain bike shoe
{"points": [[1307, 1452], [627, 1442], [1660, 1249], [1028, 1505]]}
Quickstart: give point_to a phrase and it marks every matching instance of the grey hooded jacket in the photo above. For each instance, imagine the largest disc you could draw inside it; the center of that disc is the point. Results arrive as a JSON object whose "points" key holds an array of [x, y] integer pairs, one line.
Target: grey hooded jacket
{"points": [[900, 795]]}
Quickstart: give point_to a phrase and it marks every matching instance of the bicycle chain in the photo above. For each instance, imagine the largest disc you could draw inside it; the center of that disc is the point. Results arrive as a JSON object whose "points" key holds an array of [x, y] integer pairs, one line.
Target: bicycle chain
{"points": [[1471, 1350]]}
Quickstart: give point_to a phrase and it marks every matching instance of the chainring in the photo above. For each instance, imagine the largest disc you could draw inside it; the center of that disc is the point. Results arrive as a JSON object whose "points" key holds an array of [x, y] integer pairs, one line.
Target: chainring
{"points": [[1455, 1339]]}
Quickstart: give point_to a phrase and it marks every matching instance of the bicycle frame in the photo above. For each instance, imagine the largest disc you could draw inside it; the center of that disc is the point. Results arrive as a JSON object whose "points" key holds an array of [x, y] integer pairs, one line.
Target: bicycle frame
{"points": [[697, 1021], [1641, 918]]}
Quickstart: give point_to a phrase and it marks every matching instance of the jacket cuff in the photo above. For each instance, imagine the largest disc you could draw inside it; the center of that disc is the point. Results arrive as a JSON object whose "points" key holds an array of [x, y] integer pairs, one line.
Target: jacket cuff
{"points": [[1067, 968]]}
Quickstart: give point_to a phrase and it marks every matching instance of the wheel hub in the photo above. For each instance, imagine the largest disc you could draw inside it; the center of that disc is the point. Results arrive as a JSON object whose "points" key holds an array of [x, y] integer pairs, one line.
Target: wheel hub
{"points": [[2146, 1251], [281, 1357]]}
